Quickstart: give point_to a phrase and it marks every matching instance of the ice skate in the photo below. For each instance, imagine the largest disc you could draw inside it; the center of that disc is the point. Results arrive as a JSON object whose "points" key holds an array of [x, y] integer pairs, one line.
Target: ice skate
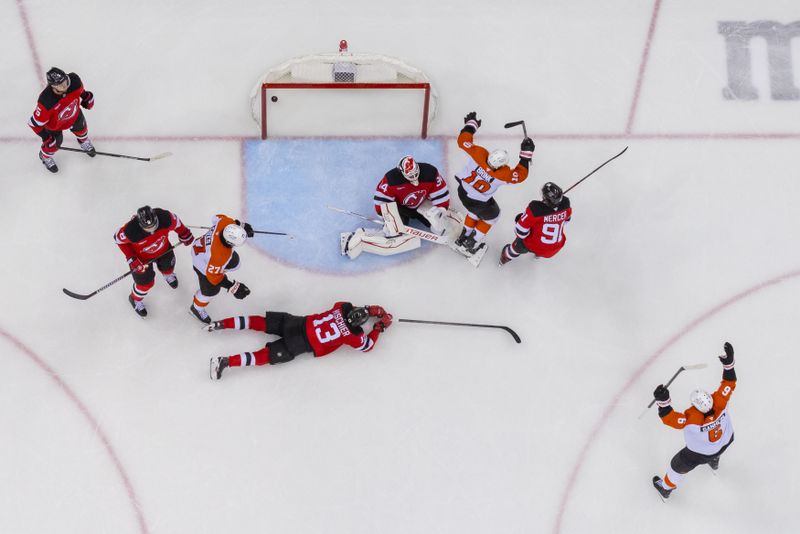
{"points": [[138, 306], [504, 256], [714, 464], [172, 280], [664, 492], [217, 365], [459, 242], [88, 147], [49, 163], [200, 313]]}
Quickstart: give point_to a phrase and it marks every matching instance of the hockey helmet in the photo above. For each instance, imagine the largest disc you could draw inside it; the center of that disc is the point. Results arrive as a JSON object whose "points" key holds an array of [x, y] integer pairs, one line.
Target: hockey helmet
{"points": [[409, 169], [147, 219], [497, 158], [56, 76], [552, 194], [234, 235], [357, 316], [702, 400]]}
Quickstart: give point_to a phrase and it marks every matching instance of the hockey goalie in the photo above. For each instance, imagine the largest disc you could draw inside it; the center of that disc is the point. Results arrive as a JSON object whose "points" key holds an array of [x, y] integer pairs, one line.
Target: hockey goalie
{"points": [[409, 191]]}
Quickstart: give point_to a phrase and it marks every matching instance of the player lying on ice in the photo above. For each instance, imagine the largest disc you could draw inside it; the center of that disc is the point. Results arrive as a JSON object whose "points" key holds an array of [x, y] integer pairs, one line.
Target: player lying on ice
{"points": [[320, 333], [412, 190]]}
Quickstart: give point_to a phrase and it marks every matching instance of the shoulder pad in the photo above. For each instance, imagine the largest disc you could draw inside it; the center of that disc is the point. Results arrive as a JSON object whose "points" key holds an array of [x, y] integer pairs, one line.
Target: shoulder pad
{"points": [[133, 231], [427, 172], [48, 99], [395, 177], [164, 217]]}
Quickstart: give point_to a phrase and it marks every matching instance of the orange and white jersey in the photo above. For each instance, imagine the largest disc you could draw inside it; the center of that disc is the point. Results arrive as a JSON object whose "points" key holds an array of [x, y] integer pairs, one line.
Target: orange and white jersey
{"points": [[706, 434], [478, 179], [209, 255]]}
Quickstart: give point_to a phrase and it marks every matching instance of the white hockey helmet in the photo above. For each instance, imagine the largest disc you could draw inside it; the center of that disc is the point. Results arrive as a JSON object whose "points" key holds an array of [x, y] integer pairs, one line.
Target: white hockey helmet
{"points": [[702, 400], [234, 235], [497, 158], [409, 169]]}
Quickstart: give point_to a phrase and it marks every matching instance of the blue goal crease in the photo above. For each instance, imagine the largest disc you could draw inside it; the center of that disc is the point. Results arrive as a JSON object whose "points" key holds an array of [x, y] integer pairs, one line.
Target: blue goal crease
{"points": [[289, 183]]}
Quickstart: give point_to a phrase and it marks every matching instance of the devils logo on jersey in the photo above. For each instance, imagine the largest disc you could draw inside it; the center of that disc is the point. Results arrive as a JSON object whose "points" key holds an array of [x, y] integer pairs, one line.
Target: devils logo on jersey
{"points": [[414, 199]]}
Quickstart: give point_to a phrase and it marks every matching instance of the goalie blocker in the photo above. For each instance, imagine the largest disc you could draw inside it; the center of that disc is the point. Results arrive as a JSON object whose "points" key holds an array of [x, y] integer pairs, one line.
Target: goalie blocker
{"points": [[396, 237]]}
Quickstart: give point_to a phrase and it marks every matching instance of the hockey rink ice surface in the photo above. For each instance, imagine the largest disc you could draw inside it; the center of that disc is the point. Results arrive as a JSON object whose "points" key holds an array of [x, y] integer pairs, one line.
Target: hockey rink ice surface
{"points": [[110, 423]]}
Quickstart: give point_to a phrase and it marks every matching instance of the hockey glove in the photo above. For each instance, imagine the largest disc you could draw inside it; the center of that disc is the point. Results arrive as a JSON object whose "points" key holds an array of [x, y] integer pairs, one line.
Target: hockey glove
{"points": [[472, 120], [527, 145], [662, 395], [248, 229], [187, 239], [136, 265], [385, 321], [87, 100], [727, 360], [239, 290], [375, 311]]}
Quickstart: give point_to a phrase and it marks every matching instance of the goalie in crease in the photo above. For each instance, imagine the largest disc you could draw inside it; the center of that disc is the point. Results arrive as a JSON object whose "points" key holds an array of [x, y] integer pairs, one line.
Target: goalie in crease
{"points": [[411, 190]]}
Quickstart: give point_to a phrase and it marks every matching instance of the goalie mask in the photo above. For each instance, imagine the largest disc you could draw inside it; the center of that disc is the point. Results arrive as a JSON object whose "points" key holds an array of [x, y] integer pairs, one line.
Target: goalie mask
{"points": [[147, 219], [357, 316], [552, 194], [497, 158], [409, 169]]}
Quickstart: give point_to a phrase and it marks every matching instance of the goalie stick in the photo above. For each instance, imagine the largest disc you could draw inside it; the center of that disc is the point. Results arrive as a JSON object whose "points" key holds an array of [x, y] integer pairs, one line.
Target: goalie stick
{"points": [[422, 234], [113, 155], [290, 236], [507, 329], [671, 380], [111, 283]]}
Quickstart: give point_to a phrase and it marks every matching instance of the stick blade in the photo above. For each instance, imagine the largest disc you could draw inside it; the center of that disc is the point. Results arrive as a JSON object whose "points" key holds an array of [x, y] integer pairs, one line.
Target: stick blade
{"points": [[513, 334], [161, 156], [74, 295], [512, 124]]}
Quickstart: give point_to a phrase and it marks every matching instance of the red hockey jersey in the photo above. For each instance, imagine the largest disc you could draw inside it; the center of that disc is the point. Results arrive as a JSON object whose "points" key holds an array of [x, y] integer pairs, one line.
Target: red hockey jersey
{"points": [[327, 331], [541, 227], [395, 188], [136, 243], [58, 112]]}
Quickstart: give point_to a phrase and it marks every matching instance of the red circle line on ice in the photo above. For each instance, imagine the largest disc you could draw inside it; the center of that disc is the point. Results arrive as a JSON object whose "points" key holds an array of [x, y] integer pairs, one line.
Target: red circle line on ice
{"points": [[637, 374], [92, 421]]}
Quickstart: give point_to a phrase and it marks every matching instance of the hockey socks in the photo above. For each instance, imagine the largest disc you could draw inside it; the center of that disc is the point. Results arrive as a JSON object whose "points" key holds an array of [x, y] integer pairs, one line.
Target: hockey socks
{"points": [[259, 357], [253, 322]]}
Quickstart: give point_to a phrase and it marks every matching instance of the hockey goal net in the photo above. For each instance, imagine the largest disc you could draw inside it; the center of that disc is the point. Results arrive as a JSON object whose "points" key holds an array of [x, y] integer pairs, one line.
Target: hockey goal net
{"points": [[343, 93]]}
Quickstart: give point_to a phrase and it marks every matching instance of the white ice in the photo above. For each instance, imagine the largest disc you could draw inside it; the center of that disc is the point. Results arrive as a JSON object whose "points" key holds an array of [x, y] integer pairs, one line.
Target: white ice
{"points": [[111, 424]]}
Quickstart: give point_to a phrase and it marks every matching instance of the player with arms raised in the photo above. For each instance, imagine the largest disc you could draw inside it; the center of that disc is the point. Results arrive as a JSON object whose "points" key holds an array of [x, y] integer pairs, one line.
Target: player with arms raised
{"points": [[540, 228], [706, 426], [320, 333], [59, 109], [480, 179], [144, 240]]}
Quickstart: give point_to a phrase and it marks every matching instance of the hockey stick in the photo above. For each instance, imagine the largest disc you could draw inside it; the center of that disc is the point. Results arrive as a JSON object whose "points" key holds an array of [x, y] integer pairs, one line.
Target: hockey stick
{"points": [[157, 156], [507, 329], [594, 171], [290, 236], [422, 234], [517, 123], [111, 283], [679, 371]]}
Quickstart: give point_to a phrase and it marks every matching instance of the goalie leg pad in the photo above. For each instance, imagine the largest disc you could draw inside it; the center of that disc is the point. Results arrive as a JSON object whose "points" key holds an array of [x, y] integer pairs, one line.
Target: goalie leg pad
{"points": [[381, 245], [393, 223]]}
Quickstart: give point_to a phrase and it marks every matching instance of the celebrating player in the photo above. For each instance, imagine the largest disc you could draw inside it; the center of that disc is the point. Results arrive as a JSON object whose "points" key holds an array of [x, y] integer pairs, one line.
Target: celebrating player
{"points": [[145, 241], [540, 228], [706, 426], [212, 257], [404, 189], [58, 109], [321, 333], [482, 176]]}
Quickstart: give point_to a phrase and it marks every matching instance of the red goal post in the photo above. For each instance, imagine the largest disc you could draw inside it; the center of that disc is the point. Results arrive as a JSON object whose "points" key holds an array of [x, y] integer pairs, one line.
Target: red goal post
{"points": [[343, 71]]}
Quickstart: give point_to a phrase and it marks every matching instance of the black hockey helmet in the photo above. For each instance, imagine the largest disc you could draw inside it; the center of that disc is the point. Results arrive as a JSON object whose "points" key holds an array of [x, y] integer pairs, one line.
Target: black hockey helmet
{"points": [[147, 219], [357, 316], [56, 76], [552, 194]]}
